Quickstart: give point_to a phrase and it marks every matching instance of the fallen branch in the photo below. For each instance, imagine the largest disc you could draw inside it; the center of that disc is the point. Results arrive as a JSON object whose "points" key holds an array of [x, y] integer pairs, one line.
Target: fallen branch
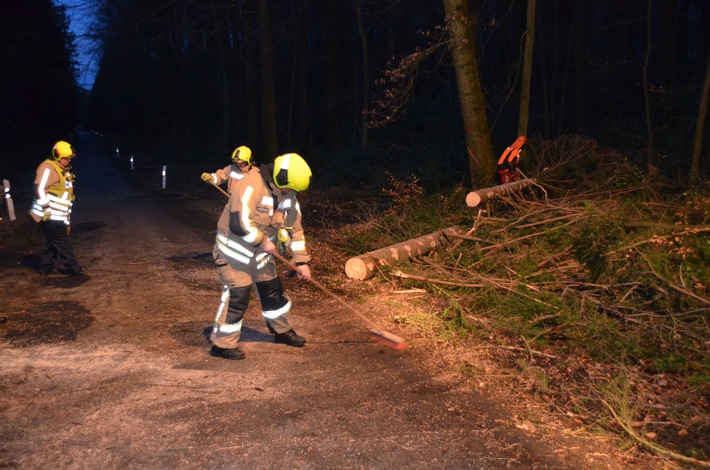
{"points": [[651, 445], [364, 266], [474, 198]]}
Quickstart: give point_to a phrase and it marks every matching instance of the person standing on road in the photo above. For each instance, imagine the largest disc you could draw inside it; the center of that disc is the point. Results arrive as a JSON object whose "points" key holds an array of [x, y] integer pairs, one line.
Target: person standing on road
{"points": [[53, 200], [240, 166], [262, 211]]}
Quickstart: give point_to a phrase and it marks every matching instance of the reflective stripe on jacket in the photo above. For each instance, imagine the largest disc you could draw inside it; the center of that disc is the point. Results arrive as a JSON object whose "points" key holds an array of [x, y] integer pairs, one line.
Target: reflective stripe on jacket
{"points": [[257, 209], [54, 193]]}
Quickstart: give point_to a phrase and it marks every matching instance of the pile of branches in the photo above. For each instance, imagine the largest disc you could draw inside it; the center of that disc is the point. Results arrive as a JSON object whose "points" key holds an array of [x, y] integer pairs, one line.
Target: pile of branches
{"points": [[604, 288], [592, 284]]}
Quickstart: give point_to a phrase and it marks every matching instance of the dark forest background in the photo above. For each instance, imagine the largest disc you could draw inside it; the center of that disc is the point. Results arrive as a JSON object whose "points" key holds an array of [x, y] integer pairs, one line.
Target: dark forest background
{"points": [[355, 86]]}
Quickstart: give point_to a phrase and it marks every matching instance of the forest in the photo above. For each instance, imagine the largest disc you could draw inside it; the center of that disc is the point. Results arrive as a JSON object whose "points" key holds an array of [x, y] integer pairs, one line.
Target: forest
{"points": [[362, 86], [403, 106]]}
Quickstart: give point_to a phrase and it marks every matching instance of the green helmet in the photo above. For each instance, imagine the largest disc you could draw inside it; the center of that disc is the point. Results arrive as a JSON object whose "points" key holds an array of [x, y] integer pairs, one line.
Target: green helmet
{"points": [[242, 154], [63, 150], [292, 171]]}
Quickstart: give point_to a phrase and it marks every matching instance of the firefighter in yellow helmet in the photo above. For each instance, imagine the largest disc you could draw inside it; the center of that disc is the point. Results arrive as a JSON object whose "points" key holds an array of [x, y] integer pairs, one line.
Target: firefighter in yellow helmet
{"points": [[262, 211], [52, 205], [241, 165]]}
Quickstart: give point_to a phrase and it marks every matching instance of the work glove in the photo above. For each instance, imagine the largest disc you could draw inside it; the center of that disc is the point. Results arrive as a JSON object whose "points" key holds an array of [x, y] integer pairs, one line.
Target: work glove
{"points": [[304, 271], [283, 241], [206, 177], [268, 246]]}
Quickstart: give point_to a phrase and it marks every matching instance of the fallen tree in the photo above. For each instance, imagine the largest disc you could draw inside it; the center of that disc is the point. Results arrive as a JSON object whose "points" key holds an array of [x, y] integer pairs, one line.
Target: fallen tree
{"points": [[474, 198], [363, 266]]}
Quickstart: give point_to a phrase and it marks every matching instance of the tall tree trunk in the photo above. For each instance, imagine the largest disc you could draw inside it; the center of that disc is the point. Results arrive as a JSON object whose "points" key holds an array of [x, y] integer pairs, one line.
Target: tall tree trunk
{"points": [[527, 71], [332, 35], [268, 95], [473, 103], [646, 94], [224, 89], [699, 126], [251, 66], [365, 78]]}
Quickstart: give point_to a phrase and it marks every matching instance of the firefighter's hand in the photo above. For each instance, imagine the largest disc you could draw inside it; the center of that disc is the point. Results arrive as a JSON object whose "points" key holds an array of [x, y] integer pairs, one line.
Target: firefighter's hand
{"points": [[206, 177], [268, 246], [304, 271]]}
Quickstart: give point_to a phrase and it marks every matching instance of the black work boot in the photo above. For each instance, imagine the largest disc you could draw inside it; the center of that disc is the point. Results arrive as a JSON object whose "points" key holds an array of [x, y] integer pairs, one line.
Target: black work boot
{"points": [[44, 270], [74, 270], [290, 338], [234, 353]]}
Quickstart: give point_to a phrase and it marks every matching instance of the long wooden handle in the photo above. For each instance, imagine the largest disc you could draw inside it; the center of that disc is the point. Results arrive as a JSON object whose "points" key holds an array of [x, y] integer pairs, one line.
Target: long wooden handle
{"points": [[327, 291], [314, 282]]}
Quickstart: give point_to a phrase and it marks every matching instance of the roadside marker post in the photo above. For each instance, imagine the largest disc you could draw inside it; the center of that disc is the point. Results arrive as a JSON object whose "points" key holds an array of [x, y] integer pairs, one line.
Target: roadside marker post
{"points": [[164, 174], [131, 162], [8, 200]]}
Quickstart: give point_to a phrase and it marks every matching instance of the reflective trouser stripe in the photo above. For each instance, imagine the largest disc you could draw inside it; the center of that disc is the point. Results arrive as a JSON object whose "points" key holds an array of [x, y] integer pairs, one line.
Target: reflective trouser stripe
{"points": [[233, 250], [274, 314], [221, 310], [262, 259]]}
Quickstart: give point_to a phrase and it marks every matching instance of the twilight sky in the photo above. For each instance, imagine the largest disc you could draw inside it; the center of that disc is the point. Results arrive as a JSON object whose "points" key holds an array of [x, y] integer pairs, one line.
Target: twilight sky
{"points": [[80, 15]]}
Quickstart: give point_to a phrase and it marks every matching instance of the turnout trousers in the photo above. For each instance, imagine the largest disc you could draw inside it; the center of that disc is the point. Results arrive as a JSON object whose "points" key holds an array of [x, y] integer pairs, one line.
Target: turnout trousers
{"points": [[237, 280], [57, 248]]}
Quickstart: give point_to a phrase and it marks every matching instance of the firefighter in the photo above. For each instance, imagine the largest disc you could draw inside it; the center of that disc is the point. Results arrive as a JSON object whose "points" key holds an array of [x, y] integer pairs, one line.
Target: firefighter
{"points": [[262, 211], [241, 165], [508, 162], [53, 199]]}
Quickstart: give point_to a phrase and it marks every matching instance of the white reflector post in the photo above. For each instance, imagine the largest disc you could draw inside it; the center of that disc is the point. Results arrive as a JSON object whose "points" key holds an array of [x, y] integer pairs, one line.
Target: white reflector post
{"points": [[8, 200], [164, 175], [117, 153], [131, 162]]}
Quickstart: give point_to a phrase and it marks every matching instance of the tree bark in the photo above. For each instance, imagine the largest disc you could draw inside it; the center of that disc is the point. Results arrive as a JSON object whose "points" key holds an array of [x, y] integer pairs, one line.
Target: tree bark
{"points": [[527, 71], [364, 266], [474, 198], [473, 102], [365, 75], [699, 126], [646, 91], [268, 94]]}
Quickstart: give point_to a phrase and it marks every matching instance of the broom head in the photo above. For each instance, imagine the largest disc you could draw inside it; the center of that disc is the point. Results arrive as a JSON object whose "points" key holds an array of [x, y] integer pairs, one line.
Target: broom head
{"points": [[388, 339]]}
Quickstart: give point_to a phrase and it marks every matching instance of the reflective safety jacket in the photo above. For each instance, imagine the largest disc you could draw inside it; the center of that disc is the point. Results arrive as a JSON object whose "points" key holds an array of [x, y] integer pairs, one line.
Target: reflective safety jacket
{"points": [[53, 193], [229, 173], [257, 209]]}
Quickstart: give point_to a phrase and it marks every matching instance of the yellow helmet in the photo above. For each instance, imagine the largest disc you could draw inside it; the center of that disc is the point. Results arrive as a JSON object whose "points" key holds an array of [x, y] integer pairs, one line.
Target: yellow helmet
{"points": [[63, 150], [242, 154], [292, 171]]}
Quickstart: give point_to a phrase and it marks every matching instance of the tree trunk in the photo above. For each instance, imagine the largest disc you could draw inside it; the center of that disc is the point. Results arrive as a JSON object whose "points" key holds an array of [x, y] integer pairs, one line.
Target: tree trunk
{"points": [[365, 77], [699, 125], [474, 198], [527, 71], [473, 102], [268, 95], [364, 266], [646, 92]]}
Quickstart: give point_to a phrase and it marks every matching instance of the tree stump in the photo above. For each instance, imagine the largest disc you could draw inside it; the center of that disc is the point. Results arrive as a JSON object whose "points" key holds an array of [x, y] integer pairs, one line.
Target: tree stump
{"points": [[363, 266]]}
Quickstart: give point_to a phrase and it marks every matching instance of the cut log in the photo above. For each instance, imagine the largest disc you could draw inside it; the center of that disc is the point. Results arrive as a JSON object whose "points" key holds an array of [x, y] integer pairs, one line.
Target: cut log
{"points": [[363, 266], [474, 198]]}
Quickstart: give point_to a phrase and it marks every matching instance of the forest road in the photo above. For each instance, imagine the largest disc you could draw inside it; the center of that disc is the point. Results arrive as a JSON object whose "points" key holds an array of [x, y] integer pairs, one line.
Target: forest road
{"points": [[111, 370]]}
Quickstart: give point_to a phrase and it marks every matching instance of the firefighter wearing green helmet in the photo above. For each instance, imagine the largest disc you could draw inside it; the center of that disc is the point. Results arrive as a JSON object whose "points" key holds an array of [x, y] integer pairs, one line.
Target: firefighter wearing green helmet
{"points": [[51, 207], [241, 165], [263, 210]]}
